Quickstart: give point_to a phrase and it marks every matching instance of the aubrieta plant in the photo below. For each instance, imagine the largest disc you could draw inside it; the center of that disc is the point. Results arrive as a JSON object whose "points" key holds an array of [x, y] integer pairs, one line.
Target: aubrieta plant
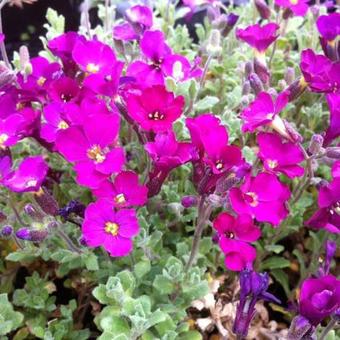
{"points": [[173, 173]]}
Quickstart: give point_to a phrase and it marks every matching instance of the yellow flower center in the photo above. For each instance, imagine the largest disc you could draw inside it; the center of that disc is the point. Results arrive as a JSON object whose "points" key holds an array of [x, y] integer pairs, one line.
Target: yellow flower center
{"points": [[111, 228], [3, 139], [95, 153], [120, 199], [294, 2], [92, 68], [272, 163], [156, 116], [31, 183], [254, 197], [63, 125], [41, 81]]}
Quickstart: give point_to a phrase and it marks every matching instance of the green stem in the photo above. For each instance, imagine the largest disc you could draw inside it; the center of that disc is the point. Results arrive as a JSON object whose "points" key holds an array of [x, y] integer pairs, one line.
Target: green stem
{"points": [[328, 328]]}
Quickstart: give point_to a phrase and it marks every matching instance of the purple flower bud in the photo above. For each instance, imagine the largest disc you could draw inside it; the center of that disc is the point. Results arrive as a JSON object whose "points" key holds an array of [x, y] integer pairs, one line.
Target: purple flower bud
{"points": [[248, 68], [7, 77], [296, 88], [215, 238], [300, 328], [272, 92], [294, 135], [38, 235], [23, 234], [261, 69], [82, 241], [263, 9], [315, 144], [330, 249], [6, 231], [246, 88], [189, 201], [255, 83], [289, 75], [29, 209], [333, 152], [47, 202], [215, 201], [230, 23], [3, 217]]}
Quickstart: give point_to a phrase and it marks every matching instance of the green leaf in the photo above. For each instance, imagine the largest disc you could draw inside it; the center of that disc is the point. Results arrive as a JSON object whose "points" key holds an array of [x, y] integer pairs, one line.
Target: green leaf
{"points": [[9, 319], [282, 278], [191, 335], [206, 104], [141, 268], [163, 284], [91, 261], [22, 255], [275, 248], [274, 263]]}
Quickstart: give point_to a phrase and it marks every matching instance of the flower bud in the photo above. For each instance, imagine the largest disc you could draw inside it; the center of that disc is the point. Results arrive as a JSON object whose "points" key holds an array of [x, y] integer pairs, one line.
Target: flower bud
{"points": [[230, 23], [176, 208], [315, 144], [248, 68], [272, 92], [214, 42], [299, 328], [23, 234], [296, 88], [7, 77], [333, 152], [189, 201], [6, 231], [82, 241], [292, 133], [215, 201], [24, 59], [289, 75], [47, 202], [38, 235], [282, 84], [255, 83], [263, 9], [261, 69], [246, 88]]}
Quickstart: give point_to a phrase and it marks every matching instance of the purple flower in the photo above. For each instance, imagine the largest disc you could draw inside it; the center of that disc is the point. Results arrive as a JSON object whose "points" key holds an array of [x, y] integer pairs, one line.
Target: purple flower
{"points": [[329, 26], [125, 191], [92, 147], [319, 298], [300, 328], [234, 235], [189, 201], [162, 62], [10, 129], [5, 167], [105, 227], [257, 36], [278, 156], [263, 197], [298, 7], [333, 130], [155, 109], [264, 111], [63, 90], [6, 231], [320, 73], [29, 175], [139, 19], [330, 250], [253, 288], [328, 215]]}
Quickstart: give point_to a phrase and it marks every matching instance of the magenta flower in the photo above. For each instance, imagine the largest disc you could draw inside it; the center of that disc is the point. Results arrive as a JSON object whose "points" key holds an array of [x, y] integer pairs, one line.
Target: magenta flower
{"points": [[5, 168], [42, 73], [162, 62], [29, 175], [328, 215], [257, 36], [333, 130], [320, 73], [319, 298], [58, 117], [63, 90], [92, 148], [105, 227], [263, 197], [234, 235], [329, 26], [10, 129], [139, 19], [279, 156], [298, 7], [155, 109], [125, 191], [167, 153], [264, 111]]}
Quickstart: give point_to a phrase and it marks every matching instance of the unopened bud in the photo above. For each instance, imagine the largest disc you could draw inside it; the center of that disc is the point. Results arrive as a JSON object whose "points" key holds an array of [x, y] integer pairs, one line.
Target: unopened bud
{"points": [[263, 9], [333, 152], [289, 75], [189, 201], [292, 133], [261, 69], [7, 76], [23, 234], [272, 92], [245, 101], [315, 144], [176, 208], [248, 68], [296, 89], [215, 201], [255, 83], [246, 88], [24, 57], [6, 231], [214, 42], [82, 241], [282, 84], [300, 328], [47, 202], [38, 235], [231, 22]]}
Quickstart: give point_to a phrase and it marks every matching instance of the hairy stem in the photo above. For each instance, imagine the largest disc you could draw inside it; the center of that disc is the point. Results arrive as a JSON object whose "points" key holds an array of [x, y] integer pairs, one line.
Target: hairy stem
{"points": [[328, 328], [2, 44]]}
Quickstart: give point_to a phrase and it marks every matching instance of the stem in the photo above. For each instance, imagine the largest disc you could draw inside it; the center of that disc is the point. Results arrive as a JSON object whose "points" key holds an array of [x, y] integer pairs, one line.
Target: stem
{"points": [[68, 241], [203, 215], [2, 45], [328, 328]]}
